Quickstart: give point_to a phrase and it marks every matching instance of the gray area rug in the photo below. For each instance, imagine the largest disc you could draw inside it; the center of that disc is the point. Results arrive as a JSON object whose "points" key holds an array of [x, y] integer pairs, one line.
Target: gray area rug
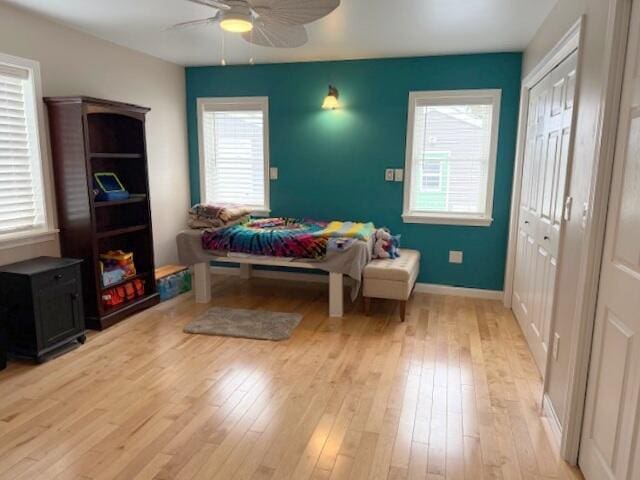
{"points": [[236, 322]]}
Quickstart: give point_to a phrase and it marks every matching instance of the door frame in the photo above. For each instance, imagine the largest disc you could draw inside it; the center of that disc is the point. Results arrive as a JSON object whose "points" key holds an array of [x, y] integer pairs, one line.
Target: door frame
{"points": [[569, 42], [591, 258]]}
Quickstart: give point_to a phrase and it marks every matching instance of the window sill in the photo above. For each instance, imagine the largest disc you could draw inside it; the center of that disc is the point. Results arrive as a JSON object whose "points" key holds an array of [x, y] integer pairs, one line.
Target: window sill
{"points": [[20, 239], [469, 221]]}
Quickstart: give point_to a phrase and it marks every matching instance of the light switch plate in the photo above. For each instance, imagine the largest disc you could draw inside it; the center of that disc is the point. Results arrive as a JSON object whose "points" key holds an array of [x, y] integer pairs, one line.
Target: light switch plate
{"points": [[273, 173], [388, 175], [556, 346], [455, 256], [398, 174]]}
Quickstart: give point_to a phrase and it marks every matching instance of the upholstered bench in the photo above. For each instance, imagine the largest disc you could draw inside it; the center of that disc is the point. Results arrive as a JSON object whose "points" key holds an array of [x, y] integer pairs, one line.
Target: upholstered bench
{"points": [[391, 279]]}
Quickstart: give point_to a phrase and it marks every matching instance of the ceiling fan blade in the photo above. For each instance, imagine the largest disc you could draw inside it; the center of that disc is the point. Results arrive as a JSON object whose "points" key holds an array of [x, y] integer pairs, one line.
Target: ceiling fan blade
{"points": [[273, 34], [293, 12], [212, 3], [194, 23]]}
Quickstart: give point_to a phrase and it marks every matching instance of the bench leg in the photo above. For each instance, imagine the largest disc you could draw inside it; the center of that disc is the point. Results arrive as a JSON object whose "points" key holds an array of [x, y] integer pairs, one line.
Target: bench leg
{"points": [[336, 302], [202, 282], [403, 309], [367, 305], [245, 270]]}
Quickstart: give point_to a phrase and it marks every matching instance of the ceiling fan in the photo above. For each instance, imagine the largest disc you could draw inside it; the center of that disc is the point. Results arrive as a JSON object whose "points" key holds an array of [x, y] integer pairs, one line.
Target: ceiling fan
{"points": [[269, 23]]}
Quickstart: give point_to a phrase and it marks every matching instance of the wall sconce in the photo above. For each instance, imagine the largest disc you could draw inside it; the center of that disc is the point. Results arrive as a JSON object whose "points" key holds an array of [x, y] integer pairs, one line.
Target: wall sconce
{"points": [[331, 100]]}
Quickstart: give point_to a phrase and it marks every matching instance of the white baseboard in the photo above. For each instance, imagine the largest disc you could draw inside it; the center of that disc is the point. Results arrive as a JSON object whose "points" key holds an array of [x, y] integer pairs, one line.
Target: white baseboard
{"points": [[309, 277], [436, 289], [552, 418]]}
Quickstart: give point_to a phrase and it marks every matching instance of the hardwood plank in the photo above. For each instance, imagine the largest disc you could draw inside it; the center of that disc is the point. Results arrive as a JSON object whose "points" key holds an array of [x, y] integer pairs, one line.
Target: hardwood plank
{"points": [[451, 393]]}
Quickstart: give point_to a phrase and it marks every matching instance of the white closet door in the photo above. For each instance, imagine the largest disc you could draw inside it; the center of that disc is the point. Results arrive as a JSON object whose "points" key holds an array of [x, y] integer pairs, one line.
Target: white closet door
{"points": [[610, 447], [542, 204]]}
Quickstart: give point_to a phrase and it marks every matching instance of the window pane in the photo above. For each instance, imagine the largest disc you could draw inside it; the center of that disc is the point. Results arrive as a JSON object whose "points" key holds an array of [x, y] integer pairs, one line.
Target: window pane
{"points": [[451, 150], [234, 157], [21, 199]]}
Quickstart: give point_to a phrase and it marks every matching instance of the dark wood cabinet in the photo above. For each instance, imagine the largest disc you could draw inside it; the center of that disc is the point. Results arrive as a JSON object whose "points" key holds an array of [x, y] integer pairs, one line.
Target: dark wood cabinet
{"points": [[42, 307], [90, 135]]}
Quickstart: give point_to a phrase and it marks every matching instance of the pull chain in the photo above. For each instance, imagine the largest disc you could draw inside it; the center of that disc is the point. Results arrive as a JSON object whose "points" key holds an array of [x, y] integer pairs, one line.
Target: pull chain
{"points": [[223, 62]]}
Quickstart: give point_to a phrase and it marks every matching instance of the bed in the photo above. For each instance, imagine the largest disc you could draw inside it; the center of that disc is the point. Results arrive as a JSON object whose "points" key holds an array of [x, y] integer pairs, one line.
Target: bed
{"points": [[350, 262]]}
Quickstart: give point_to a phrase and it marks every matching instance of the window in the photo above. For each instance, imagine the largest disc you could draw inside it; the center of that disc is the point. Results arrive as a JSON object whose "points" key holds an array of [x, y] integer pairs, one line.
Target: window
{"points": [[23, 210], [234, 151], [451, 155], [432, 171]]}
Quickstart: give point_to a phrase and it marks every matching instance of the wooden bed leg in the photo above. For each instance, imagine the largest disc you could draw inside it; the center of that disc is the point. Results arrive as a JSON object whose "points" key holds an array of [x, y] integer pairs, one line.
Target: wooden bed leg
{"points": [[202, 282], [336, 303], [367, 305], [403, 309], [245, 270]]}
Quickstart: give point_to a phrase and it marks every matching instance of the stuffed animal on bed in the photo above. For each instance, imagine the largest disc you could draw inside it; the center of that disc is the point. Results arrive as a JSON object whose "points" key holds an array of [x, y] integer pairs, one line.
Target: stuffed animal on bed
{"points": [[385, 245]]}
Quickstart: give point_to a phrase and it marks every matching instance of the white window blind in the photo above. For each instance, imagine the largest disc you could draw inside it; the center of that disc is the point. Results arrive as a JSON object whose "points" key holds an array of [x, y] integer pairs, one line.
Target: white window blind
{"points": [[451, 149], [234, 151], [21, 190]]}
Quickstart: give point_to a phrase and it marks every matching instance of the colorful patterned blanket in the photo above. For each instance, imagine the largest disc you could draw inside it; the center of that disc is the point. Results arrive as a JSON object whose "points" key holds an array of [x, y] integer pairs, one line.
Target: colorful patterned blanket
{"points": [[276, 237], [283, 237], [360, 231]]}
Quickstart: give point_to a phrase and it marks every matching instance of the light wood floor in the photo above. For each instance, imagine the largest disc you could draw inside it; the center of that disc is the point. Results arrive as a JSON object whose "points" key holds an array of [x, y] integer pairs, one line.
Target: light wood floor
{"points": [[451, 393]]}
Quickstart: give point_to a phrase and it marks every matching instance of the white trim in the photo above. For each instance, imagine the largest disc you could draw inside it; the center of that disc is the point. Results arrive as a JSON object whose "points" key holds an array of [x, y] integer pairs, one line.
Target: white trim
{"points": [[445, 97], [591, 259], [447, 220], [565, 47], [552, 419], [47, 231], [458, 291], [569, 42], [29, 237], [236, 103]]}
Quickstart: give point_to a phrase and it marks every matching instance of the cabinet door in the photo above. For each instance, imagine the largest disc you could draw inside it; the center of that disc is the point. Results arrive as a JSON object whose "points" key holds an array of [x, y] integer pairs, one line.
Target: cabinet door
{"points": [[60, 311]]}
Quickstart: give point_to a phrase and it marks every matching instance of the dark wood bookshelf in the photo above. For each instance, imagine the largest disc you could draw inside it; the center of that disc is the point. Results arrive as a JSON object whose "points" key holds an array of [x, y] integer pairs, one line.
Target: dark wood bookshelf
{"points": [[117, 155], [90, 135], [121, 231], [134, 198]]}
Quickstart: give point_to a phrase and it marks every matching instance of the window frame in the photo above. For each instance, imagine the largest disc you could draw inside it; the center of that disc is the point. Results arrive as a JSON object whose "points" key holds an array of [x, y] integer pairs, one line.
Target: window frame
{"points": [[48, 231], [237, 104], [452, 97]]}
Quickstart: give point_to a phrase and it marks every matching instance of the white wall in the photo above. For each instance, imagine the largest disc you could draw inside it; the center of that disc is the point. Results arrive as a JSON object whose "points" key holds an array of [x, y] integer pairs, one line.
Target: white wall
{"points": [[591, 86], [73, 63]]}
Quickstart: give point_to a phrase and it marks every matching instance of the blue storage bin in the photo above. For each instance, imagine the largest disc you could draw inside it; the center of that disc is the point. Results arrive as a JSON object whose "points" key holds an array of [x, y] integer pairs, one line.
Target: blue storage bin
{"points": [[171, 283]]}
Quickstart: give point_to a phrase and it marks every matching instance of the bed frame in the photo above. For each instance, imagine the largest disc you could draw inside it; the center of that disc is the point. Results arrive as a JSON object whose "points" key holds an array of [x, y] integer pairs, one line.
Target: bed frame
{"points": [[202, 280]]}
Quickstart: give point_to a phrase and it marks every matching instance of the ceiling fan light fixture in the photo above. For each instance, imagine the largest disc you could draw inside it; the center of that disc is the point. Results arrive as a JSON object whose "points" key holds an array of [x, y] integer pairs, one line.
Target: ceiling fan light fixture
{"points": [[331, 100], [237, 20]]}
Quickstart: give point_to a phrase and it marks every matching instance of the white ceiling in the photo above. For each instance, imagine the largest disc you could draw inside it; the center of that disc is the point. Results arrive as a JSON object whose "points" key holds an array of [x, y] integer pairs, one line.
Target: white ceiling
{"points": [[356, 29]]}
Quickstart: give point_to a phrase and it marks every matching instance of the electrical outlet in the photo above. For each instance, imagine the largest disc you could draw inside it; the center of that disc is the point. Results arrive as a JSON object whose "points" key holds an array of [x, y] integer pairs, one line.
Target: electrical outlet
{"points": [[455, 256], [398, 174], [556, 345], [273, 173], [388, 175]]}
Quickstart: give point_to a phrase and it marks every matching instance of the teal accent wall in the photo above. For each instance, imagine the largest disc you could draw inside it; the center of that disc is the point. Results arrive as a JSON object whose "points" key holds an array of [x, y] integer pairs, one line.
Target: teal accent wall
{"points": [[331, 163]]}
